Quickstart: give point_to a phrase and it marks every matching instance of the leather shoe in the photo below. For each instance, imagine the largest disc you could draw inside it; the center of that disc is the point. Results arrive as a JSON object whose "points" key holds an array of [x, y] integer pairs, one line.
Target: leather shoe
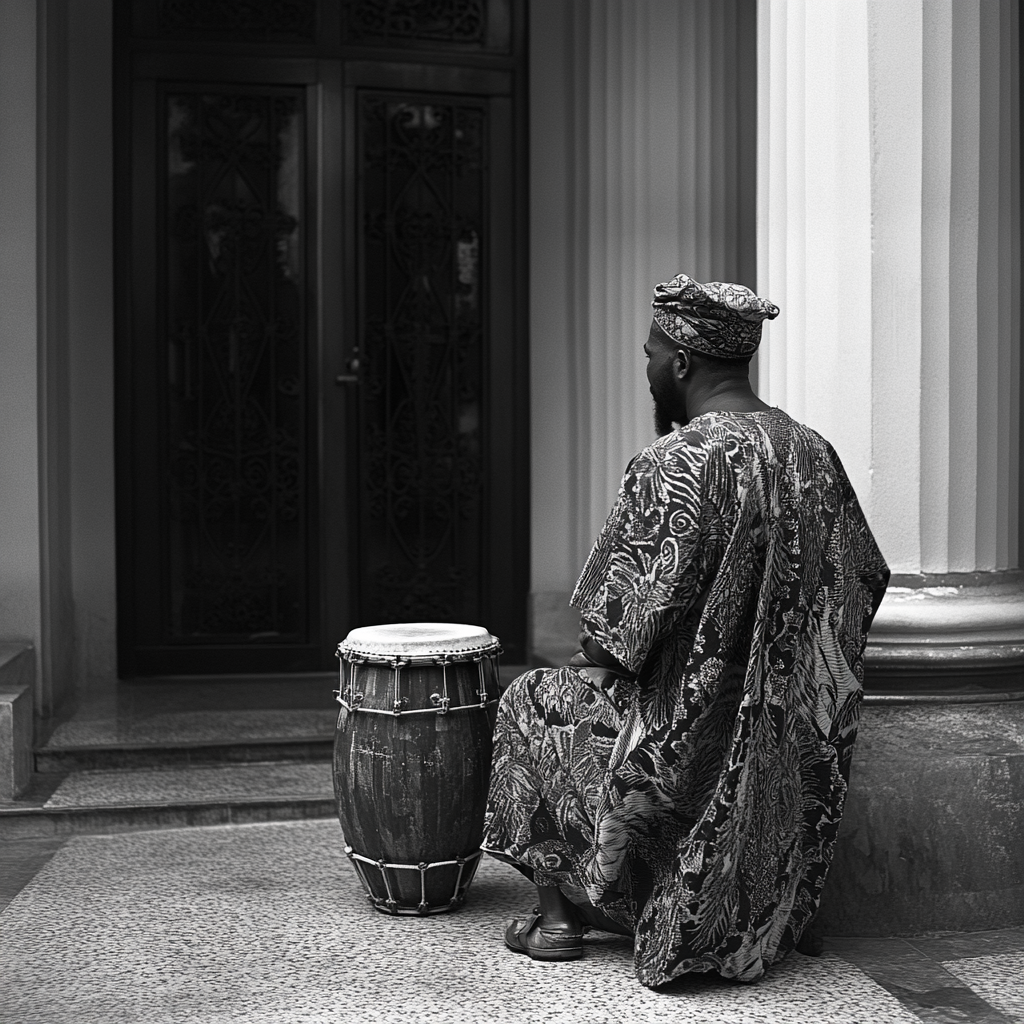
{"points": [[527, 935]]}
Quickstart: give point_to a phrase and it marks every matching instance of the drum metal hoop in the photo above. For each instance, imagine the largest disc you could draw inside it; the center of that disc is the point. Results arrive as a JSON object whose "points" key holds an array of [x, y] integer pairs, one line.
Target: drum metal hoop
{"points": [[390, 905], [450, 658], [352, 701]]}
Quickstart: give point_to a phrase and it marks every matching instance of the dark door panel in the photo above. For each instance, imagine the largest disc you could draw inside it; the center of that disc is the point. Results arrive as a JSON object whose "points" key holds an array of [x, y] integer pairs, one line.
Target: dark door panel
{"points": [[422, 204], [221, 426], [432, 281]]}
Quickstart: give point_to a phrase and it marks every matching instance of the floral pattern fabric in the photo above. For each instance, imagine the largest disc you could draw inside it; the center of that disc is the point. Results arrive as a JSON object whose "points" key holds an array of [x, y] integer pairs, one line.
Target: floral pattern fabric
{"points": [[722, 320], [697, 800]]}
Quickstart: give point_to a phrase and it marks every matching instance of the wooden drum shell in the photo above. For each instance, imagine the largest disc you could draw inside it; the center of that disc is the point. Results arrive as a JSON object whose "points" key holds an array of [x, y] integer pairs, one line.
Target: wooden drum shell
{"points": [[412, 788]]}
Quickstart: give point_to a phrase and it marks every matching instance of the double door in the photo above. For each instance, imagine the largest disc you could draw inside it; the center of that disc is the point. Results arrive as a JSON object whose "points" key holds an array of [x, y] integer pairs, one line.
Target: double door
{"points": [[321, 392]]}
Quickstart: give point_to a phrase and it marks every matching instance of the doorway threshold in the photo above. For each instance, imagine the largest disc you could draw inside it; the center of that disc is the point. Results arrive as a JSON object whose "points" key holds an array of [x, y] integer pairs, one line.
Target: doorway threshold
{"points": [[185, 720]]}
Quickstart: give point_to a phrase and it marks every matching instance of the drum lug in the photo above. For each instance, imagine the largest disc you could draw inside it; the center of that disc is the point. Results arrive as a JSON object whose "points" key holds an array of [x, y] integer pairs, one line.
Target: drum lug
{"points": [[441, 703], [483, 695], [400, 705]]}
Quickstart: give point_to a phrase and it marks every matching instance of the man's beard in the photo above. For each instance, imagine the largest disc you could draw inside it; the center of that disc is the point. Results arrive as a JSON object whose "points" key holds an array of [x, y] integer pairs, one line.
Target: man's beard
{"points": [[663, 423]]}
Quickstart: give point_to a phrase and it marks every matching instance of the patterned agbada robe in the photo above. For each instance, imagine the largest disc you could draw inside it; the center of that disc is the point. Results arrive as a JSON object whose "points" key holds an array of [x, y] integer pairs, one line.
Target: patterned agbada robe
{"points": [[698, 802]]}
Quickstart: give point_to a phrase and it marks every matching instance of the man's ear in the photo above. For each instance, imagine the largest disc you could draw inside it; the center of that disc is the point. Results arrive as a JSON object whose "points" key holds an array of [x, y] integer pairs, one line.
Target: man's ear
{"points": [[682, 362]]}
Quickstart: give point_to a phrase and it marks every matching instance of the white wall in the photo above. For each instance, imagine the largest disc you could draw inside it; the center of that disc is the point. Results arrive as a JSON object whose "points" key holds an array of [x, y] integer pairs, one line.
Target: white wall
{"points": [[19, 451], [56, 332]]}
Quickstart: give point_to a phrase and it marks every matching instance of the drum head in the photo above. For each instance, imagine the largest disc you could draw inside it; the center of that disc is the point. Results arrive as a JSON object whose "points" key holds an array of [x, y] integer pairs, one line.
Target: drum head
{"points": [[416, 640]]}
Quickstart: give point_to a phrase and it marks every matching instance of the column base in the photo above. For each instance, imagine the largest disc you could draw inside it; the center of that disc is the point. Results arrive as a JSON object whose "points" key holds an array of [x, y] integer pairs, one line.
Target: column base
{"points": [[17, 675]]}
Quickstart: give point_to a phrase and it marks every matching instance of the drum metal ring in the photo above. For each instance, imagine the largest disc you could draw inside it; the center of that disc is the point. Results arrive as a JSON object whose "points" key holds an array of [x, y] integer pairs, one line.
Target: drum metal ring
{"points": [[352, 701], [389, 904]]}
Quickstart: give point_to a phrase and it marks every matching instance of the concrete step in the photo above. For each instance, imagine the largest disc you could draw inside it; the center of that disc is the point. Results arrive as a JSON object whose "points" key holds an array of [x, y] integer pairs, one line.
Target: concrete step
{"points": [[121, 756], [93, 801]]}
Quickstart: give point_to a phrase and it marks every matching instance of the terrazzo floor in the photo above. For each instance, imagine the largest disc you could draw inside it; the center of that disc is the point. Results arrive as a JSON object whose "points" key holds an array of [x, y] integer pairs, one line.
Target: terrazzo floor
{"points": [[267, 923]]}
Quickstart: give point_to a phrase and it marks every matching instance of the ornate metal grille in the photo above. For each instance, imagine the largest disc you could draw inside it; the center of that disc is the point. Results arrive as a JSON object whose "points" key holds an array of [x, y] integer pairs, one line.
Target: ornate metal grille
{"points": [[254, 20], [235, 428], [422, 196], [447, 21]]}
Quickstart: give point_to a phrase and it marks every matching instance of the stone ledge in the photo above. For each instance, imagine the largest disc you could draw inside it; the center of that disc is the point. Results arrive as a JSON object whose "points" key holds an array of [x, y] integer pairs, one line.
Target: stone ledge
{"points": [[17, 668], [932, 837], [46, 822]]}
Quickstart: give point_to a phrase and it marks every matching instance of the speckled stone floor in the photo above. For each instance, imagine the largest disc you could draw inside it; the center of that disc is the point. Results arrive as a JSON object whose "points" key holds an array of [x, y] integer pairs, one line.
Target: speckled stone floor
{"points": [[267, 923]]}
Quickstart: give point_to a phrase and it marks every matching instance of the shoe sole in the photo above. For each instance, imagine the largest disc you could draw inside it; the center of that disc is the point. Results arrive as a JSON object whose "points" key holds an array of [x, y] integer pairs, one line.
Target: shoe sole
{"points": [[548, 955]]}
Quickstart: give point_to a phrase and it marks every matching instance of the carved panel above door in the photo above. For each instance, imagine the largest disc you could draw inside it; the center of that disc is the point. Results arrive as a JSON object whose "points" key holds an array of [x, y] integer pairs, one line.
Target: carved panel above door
{"points": [[446, 21], [255, 20], [453, 24]]}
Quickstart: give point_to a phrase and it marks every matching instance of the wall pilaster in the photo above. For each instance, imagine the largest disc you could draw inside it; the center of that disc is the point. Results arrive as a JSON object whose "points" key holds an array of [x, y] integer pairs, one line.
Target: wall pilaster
{"points": [[20, 582], [642, 165], [35, 551]]}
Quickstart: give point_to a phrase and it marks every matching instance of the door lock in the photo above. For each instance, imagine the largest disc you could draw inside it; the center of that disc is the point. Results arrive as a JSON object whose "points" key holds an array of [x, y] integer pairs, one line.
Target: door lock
{"points": [[352, 377]]}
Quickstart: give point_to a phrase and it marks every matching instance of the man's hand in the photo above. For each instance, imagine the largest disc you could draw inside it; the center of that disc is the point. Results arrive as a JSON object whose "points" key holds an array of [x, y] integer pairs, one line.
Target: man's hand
{"points": [[591, 653]]}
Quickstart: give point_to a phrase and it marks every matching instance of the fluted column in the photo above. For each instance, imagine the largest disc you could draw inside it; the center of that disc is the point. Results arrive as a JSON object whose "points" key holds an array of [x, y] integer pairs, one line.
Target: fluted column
{"points": [[642, 165], [889, 234]]}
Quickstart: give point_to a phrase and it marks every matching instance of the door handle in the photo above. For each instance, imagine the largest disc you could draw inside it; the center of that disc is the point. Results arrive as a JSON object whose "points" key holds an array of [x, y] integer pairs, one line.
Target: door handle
{"points": [[349, 378]]}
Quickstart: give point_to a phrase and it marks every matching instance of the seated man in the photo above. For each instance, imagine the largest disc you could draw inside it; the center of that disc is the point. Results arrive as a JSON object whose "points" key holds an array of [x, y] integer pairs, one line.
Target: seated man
{"points": [[682, 779]]}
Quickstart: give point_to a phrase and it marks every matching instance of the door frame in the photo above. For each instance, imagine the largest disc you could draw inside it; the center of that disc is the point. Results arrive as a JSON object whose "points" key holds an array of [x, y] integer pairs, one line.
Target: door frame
{"points": [[329, 70]]}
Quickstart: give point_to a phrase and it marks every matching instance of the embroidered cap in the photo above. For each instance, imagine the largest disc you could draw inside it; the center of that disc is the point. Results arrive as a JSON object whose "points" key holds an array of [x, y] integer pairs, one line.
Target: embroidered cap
{"points": [[722, 320]]}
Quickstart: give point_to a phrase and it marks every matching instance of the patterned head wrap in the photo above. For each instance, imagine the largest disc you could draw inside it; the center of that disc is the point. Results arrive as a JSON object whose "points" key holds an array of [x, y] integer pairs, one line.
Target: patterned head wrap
{"points": [[722, 320]]}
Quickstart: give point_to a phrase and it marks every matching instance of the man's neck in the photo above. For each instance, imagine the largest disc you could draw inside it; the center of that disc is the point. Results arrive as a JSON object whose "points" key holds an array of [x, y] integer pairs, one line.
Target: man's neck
{"points": [[725, 396]]}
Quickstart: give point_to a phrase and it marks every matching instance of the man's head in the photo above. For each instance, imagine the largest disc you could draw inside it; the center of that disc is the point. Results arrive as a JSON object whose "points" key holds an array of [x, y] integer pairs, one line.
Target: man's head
{"points": [[676, 372], [702, 339]]}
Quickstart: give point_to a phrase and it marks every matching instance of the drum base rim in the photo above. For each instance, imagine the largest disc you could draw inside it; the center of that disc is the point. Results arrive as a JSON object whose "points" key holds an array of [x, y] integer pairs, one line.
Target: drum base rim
{"points": [[389, 905], [393, 909]]}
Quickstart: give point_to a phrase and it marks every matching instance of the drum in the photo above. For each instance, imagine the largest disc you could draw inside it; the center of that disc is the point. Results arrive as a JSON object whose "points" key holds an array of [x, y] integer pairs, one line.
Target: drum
{"points": [[412, 759]]}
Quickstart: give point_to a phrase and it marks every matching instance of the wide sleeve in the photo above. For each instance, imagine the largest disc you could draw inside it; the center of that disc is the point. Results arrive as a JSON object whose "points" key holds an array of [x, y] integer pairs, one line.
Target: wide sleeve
{"points": [[861, 552], [641, 576]]}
